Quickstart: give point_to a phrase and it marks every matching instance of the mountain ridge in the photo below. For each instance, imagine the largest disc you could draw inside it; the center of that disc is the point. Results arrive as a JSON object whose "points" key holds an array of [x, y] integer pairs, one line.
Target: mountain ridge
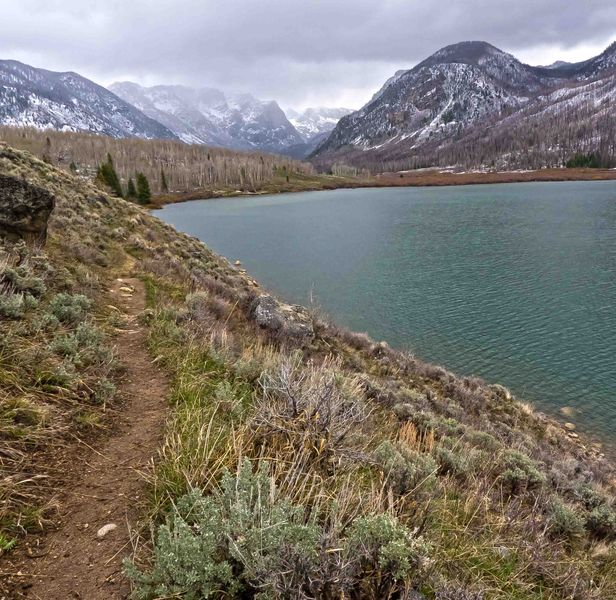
{"points": [[68, 101], [420, 114], [209, 116]]}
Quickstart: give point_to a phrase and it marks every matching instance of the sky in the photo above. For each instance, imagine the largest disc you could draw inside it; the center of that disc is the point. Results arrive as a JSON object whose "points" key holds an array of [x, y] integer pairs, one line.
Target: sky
{"points": [[299, 52]]}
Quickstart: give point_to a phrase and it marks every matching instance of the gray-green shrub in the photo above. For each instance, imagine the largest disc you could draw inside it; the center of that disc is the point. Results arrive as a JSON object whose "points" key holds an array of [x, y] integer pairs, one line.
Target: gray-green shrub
{"points": [[12, 306], [83, 347], [405, 470], [602, 521], [248, 541], [564, 520], [519, 472], [22, 280], [70, 309]]}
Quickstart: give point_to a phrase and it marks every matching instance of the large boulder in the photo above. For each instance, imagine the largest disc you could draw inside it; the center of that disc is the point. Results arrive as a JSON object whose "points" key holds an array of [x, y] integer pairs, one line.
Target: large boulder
{"points": [[24, 210], [288, 323]]}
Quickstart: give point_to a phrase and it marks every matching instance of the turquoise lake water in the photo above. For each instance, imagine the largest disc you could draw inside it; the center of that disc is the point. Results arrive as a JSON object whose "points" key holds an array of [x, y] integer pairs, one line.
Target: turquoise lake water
{"points": [[515, 283]]}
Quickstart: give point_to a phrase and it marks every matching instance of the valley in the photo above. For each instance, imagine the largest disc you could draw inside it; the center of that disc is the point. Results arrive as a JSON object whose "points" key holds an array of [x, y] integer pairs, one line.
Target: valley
{"points": [[217, 383], [468, 106]]}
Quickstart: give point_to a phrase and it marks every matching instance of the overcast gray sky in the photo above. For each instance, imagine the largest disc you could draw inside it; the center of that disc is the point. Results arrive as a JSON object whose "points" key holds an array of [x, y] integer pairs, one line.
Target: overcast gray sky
{"points": [[299, 52]]}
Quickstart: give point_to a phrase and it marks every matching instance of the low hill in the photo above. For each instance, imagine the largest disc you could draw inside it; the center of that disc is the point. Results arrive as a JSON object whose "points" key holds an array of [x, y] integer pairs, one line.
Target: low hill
{"points": [[298, 459]]}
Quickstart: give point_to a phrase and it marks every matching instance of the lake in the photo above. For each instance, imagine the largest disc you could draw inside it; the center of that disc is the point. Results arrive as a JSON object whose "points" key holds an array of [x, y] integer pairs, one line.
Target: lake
{"points": [[515, 283]]}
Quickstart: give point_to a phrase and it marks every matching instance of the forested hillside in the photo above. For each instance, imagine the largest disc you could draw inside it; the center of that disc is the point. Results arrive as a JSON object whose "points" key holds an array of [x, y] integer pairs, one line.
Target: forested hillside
{"points": [[185, 167]]}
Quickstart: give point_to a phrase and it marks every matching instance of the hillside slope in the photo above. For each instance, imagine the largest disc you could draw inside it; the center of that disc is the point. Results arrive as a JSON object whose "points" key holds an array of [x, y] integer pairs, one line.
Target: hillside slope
{"points": [[471, 104], [299, 459]]}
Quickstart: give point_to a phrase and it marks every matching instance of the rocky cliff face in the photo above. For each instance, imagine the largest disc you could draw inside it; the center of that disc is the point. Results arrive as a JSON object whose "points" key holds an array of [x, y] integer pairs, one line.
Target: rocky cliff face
{"points": [[69, 102], [421, 114]]}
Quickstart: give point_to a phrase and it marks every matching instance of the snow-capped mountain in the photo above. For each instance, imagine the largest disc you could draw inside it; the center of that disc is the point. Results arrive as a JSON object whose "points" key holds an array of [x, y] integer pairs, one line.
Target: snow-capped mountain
{"points": [[208, 116], [314, 125], [70, 102], [470, 90], [314, 122]]}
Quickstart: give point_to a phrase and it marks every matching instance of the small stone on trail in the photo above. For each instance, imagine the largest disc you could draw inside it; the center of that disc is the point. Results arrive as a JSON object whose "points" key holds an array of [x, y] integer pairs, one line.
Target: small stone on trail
{"points": [[105, 529], [127, 290]]}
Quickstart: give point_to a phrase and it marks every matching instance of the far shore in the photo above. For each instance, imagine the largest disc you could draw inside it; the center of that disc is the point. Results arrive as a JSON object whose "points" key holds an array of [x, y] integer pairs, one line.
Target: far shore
{"points": [[415, 178]]}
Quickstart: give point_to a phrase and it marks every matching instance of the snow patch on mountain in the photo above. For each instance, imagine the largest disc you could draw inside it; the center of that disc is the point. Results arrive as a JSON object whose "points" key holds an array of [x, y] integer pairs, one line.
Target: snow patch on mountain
{"points": [[316, 121]]}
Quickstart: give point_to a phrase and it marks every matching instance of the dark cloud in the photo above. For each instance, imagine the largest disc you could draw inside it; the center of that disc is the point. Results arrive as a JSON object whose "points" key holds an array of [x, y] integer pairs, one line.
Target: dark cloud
{"points": [[300, 52]]}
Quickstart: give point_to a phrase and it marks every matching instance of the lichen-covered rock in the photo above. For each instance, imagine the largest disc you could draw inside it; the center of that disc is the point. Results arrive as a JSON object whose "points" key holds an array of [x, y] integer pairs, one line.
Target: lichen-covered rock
{"points": [[24, 210], [289, 323]]}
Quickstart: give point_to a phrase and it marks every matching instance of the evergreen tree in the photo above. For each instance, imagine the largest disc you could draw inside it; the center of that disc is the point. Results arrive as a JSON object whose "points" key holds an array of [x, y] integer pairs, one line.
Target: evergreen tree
{"points": [[143, 189], [131, 191], [163, 181], [107, 175], [73, 167], [580, 160]]}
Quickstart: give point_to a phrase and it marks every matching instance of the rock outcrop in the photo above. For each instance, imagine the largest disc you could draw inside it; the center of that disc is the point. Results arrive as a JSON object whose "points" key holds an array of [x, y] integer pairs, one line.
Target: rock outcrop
{"points": [[288, 323], [24, 210]]}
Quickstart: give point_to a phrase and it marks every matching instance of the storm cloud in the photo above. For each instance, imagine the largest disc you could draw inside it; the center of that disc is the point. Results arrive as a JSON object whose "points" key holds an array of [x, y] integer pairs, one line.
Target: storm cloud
{"points": [[301, 53]]}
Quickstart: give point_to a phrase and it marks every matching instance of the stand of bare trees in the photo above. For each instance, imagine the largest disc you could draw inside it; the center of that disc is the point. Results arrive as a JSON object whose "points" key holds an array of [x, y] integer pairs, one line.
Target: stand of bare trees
{"points": [[185, 167]]}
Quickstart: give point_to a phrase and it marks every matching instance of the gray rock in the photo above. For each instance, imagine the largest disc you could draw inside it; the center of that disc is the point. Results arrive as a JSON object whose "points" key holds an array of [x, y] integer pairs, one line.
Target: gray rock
{"points": [[24, 210], [289, 323]]}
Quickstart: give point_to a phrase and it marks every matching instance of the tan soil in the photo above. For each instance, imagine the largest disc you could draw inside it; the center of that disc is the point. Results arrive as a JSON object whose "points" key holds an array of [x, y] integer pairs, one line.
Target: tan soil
{"points": [[71, 561]]}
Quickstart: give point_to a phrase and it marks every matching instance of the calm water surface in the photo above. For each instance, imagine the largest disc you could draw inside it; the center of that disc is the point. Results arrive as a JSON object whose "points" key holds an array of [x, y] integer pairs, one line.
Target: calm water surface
{"points": [[515, 283]]}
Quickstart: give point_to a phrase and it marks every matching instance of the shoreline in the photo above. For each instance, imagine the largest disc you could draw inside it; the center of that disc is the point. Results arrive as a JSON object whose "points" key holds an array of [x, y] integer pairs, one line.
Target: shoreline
{"points": [[587, 439], [419, 178]]}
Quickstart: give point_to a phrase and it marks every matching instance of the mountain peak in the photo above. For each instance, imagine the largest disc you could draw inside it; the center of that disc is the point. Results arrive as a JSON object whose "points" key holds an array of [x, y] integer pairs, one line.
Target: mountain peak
{"points": [[608, 56], [457, 102], [611, 49], [467, 52]]}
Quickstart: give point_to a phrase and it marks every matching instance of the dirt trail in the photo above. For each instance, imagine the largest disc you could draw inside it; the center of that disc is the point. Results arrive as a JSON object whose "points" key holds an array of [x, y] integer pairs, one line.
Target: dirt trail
{"points": [[75, 562]]}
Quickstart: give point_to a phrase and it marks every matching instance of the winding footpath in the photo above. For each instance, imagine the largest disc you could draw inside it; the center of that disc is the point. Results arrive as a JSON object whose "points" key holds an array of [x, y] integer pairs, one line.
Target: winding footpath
{"points": [[83, 557]]}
